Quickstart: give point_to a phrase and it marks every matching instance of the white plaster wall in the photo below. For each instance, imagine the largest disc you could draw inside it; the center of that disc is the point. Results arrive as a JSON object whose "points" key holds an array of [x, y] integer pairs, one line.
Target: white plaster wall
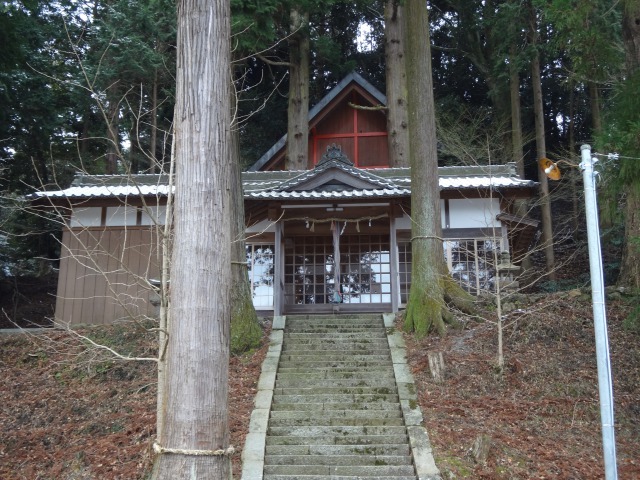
{"points": [[404, 223], [123, 215], [474, 213], [86, 217], [159, 212]]}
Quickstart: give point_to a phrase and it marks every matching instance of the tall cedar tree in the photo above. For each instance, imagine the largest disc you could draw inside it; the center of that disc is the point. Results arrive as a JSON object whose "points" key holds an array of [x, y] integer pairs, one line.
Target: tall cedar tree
{"points": [[430, 283], [195, 408]]}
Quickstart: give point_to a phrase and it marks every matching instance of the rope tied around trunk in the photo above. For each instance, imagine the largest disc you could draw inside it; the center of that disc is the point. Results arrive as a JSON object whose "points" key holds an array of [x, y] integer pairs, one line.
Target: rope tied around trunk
{"points": [[158, 449]]}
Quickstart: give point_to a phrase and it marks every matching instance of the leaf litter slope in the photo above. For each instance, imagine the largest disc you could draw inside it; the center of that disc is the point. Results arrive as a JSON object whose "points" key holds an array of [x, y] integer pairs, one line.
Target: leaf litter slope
{"points": [[543, 416], [70, 412], [67, 412]]}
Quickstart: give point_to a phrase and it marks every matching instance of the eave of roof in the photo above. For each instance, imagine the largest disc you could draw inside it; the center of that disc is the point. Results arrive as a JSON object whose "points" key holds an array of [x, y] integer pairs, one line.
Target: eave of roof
{"points": [[391, 182]]}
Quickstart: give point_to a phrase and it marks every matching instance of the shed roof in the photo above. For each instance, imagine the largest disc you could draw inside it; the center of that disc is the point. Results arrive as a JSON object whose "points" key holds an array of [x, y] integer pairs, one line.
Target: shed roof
{"points": [[332, 180]]}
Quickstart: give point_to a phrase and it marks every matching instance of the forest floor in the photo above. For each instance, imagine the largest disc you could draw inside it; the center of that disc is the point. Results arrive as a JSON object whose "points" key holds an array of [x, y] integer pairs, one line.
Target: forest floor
{"points": [[71, 412]]}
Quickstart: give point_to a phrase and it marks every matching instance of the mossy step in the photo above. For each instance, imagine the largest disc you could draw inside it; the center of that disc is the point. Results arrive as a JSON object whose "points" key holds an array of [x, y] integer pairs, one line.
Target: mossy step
{"points": [[336, 430], [373, 370], [337, 398], [369, 333], [309, 377], [328, 353], [315, 357], [397, 413], [350, 347], [290, 366], [327, 421], [331, 471], [319, 406], [336, 340], [343, 317], [334, 328], [398, 449], [336, 460], [337, 477], [372, 386], [395, 439]]}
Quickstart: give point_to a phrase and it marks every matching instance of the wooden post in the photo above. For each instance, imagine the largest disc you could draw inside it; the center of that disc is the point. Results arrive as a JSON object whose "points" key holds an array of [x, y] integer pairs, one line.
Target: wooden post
{"points": [[436, 365]]}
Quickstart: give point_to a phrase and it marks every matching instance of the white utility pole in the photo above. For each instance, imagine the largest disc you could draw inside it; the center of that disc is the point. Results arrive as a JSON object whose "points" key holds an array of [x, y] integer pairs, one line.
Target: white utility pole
{"points": [[605, 385]]}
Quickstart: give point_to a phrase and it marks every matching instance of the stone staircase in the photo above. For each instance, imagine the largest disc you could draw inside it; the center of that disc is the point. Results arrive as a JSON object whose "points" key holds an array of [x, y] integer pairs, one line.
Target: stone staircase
{"points": [[335, 411]]}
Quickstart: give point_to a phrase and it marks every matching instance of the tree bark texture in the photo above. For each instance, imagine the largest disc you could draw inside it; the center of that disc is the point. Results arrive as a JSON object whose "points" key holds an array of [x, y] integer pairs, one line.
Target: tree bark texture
{"points": [[426, 297], [396, 79], [541, 148], [296, 157], [196, 386], [245, 330], [630, 267], [517, 154], [113, 124], [631, 34]]}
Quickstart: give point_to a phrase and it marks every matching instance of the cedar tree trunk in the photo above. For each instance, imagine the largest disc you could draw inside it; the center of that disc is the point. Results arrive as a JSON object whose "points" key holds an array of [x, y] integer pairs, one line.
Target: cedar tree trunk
{"points": [[397, 123], [298, 110], [245, 330], [430, 283], [541, 148], [195, 409]]}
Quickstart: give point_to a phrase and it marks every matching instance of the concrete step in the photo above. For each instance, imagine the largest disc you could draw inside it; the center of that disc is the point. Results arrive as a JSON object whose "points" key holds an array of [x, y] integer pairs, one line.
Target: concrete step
{"points": [[390, 449], [308, 379], [345, 317], [348, 460], [291, 366], [334, 357], [386, 471], [339, 430], [346, 347], [335, 477], [337, 398], [337, 440], [328, 329], [374, 387], [366, 333], [324, 420], [345, 414], [328, 353], [329, 378], [329, 344], [318, 407]]}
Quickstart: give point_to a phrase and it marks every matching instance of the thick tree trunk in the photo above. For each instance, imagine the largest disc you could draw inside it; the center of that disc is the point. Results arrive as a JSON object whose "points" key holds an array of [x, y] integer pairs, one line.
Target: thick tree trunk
{"points": [[594, 101], [195, 427], [245, 330], [541, 148], [517, 154], [631, 34], [397, 123], [298, 112], [426, 297], [630, 268]]}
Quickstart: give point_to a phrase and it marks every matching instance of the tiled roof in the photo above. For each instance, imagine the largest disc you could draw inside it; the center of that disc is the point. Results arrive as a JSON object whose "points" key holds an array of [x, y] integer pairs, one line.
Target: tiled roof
{"points": [[385, 183]]}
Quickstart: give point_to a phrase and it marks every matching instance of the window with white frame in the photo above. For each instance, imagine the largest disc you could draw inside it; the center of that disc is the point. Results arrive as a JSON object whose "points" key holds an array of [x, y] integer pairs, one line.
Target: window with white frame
{"points": [[471, 262], [260, 267]]}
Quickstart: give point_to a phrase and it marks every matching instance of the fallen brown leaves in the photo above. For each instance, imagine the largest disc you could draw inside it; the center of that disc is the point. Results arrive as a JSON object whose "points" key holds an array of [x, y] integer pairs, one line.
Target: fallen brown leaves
{"points": [[68, 415], [67, 412], [543, 414]]}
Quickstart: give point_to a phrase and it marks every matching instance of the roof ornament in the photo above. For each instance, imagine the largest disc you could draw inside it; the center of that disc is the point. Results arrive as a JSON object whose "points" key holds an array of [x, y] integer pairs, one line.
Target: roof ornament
{"points": [[334, 154]]}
